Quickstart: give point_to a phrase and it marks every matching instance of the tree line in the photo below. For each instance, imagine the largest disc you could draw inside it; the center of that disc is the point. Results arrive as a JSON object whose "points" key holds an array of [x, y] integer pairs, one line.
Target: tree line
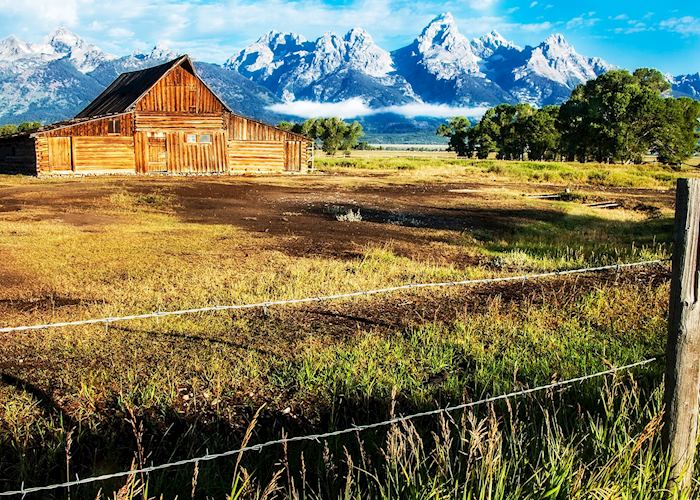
{"points": [[617, 117], [332, 133], [10, 129]]}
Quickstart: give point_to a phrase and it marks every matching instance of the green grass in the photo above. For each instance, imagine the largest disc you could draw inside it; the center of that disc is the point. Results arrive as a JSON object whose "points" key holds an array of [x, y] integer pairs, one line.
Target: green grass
{"points": [[630, 176]]}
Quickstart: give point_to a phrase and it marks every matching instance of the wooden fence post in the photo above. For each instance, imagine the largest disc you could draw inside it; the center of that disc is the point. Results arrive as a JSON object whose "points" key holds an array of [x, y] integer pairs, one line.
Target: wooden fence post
{"points": [[682, 381]]}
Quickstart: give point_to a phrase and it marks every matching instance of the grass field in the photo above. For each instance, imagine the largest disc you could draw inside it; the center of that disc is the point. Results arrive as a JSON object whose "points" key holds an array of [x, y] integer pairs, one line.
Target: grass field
{"points": [[151, 391]]}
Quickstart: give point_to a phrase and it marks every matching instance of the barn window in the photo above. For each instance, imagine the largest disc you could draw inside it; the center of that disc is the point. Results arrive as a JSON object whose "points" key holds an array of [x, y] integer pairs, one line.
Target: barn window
{"points": [[114, 126], [205, 139], [191, 138]]}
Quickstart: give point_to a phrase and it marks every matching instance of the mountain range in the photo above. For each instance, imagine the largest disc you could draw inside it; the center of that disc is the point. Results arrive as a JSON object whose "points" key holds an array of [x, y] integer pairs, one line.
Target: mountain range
{"points": [[55, 79]]}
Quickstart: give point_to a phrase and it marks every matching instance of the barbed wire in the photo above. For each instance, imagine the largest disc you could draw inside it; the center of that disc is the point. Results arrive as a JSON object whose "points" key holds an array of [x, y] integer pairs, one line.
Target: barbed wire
{"points": [[325, 435], [323, 298]]}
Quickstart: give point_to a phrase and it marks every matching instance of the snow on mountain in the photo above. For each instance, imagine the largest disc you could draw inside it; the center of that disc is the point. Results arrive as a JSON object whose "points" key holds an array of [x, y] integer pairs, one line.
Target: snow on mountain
{"points": [[259, 60], [442, 65], [84, 56], [17, 55], [489, 44], [108, 70], [556, 60], [444, 51], [686, 86], [329, 68], [54, 79]]}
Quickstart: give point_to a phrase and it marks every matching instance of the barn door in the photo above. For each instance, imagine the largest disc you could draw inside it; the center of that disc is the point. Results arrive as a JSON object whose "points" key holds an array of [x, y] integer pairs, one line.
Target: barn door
{"points": [[60, 153], [292, 156], [157, 154]]}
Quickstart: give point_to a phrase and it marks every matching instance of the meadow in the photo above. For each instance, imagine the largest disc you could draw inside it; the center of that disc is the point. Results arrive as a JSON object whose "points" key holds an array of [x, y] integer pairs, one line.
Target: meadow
{"points": [[93, 399]]}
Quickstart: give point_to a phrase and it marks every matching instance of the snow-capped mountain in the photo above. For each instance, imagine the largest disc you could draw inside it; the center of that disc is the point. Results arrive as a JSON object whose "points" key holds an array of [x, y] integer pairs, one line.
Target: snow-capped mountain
{"points": [[84, 56], [107, 71], [547, 73], [686, 86], [57, 77], [330, 68], [54, 80], [443, 66]]}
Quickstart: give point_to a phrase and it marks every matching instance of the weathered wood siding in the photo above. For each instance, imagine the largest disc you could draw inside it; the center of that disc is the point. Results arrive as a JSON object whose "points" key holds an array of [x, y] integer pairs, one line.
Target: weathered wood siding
{"points": [[86, 154], [141, 152], [256, 156], [103, 154], [240, 128], [180, 92], [18, 156], [60, 154], [162, 121], [41, 147], [295, 155], [256, 146], [196, 157], [97, 127]]}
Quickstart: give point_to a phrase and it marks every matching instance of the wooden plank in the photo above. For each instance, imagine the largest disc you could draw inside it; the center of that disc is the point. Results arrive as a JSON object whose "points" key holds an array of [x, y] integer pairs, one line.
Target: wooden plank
{"points": [[103, 153], [59, 152], [162, 121], [172, 94], [256, 155], [97, 127], [682, 381]]}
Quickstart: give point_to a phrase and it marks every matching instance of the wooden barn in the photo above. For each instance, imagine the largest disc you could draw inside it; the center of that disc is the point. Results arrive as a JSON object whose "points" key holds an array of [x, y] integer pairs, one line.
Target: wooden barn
{"points": [[161, 119]]}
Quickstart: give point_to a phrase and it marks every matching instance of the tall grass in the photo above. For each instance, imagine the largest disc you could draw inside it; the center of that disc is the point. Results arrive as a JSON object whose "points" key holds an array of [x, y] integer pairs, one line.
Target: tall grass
{"points": [[546, 446], [640, 176]]}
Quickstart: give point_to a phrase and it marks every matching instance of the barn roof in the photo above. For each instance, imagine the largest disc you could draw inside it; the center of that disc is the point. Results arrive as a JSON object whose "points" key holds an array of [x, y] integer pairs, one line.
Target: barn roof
{"points": [[124, 92]]}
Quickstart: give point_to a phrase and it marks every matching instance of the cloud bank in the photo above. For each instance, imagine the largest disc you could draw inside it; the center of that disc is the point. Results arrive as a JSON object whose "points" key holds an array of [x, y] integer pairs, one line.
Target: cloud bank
{"points": [[357, 108]]}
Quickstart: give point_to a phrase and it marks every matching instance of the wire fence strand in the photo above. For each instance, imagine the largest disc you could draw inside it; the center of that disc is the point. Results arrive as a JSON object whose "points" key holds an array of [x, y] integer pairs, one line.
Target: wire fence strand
{"points": [[324, 298], [325, 435]]}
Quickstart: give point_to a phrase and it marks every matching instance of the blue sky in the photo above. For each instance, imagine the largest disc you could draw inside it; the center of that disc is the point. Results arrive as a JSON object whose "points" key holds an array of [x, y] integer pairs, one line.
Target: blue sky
{"points": [[663, 34]]}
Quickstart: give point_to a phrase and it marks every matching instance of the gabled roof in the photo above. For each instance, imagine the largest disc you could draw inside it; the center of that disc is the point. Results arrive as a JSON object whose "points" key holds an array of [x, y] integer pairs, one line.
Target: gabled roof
{"points": [[128, 89]]}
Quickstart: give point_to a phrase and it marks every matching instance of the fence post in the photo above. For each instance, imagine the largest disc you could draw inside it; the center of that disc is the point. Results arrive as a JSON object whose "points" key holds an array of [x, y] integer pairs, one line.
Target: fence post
{"points": [[682, 380]]}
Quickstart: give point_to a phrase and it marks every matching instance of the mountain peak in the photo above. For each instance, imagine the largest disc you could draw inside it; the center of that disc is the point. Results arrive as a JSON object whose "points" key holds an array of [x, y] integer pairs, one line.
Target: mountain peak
{"points": [[556, 39], [63, 35], [443, 18], [161, 52], [444, 51], [84, 56], [486, 45], [357, 33]]}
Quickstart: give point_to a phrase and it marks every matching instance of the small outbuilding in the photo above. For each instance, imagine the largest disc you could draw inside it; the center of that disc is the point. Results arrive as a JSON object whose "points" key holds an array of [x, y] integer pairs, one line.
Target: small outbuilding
{"points": [[161, 119]]}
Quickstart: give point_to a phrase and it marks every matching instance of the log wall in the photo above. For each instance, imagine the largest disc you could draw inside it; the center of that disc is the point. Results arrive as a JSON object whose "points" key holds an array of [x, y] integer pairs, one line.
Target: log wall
{"points": [[103, 154], [256, 156]]}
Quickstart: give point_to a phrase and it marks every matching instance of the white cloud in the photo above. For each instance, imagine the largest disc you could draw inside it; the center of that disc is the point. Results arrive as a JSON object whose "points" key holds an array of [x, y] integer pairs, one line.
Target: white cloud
{"points": [[533, 4], [357, 108], [534, 27], [434, 110], [686, 25], [583, 21], [351, 108], [482, 4]]}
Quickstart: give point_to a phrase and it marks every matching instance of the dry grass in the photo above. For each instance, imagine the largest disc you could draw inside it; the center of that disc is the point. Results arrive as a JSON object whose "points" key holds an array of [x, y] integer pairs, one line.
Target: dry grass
{"points": [[110, 246]]}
